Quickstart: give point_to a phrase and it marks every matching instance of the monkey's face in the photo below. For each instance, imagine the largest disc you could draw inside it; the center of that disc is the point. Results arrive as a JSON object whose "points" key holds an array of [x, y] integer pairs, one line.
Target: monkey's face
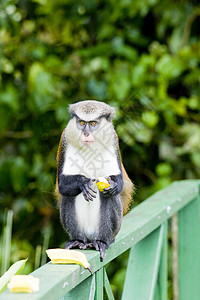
{"points": [[97, 133], [87, 129]]}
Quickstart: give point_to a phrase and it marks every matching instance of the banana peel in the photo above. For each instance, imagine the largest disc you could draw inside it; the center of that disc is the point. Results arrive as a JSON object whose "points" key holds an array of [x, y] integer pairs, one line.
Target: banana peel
{"points": [[23, 284], [102, 183], [66, 256]]}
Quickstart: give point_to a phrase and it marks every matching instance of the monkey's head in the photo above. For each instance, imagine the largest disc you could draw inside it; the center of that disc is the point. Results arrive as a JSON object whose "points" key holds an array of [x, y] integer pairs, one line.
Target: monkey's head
{"points": [[90, 123]]}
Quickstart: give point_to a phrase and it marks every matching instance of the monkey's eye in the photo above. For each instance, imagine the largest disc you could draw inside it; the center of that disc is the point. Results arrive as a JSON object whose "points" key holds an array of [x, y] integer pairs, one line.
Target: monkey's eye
{"points": [[93, 123], [82, 123]]}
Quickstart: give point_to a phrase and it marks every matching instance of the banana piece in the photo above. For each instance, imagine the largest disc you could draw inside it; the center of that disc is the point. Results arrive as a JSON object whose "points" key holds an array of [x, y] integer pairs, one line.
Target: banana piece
{"points": [[65, 256], [23, 284], [102, 183]]}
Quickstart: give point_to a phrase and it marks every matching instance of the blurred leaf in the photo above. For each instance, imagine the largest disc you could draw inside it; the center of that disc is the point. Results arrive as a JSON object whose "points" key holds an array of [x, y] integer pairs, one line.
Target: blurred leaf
{"points": [[179, 107], [41, 84], [164, 169], [169, 67], [5, 116], [162, 183], [7, 66], [37, 164], [120, 84], [141, 133], [195, 157], [15, 269], [150, 118], [22, 206], [10, 97], [167, 151], [124, 50], [191, 134], [39, 51], [176, 39], [119, 278], [61, 114], [125, 135], [99, 63], [19, 174], [97, 89], [138, 75]]}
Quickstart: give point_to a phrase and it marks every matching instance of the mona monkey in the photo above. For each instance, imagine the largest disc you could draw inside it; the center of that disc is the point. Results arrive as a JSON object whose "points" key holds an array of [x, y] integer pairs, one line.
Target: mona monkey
{"points": [[89, 149]]}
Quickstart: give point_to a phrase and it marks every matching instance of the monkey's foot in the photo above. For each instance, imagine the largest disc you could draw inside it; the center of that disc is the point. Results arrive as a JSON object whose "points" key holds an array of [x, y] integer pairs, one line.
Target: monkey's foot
{"points": [[101, 247], [75, 244], [97, 245]]}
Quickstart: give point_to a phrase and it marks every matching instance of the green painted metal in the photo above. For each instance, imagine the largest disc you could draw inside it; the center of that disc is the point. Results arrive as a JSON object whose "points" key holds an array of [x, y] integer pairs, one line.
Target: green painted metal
{"points": [[157, 295], [189, 251], [162, 278], [99, 276], [85, 290], [57, 280], [143, 264], [161, 286], [174, 237], [107, 286]]}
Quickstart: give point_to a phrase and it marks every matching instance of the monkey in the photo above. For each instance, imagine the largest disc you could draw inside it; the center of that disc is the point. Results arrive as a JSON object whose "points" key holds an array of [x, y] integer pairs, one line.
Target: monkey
{"points": [[88, 149]]}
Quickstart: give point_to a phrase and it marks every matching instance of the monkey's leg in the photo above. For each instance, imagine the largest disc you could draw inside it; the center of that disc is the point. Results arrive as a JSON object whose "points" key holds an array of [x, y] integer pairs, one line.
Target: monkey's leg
{"points": [[97, 245], [101, 247]]}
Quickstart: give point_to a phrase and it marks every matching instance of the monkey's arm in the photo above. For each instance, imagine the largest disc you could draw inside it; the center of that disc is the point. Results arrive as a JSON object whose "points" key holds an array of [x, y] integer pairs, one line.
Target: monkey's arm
{"points": [[116, 185], [72, 185]]}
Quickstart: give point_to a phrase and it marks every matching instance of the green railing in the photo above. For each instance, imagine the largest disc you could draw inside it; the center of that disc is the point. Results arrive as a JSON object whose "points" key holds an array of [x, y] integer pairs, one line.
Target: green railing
{"points": [[144, 231]]}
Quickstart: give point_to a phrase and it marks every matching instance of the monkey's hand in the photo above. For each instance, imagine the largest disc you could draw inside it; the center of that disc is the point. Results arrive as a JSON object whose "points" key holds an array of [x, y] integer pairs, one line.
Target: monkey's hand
{"points": [[88, 191], [112, 190]]}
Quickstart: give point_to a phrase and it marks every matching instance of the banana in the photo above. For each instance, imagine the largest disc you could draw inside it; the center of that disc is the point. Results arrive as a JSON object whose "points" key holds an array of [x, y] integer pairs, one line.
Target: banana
{"points": [[102, 183], [65, 256], [23, 284]]}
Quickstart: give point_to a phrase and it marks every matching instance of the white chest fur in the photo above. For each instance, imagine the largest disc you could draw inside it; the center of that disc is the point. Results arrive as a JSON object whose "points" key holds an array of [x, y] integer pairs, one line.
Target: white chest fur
{"points": [[90, 161], [88, 215]]}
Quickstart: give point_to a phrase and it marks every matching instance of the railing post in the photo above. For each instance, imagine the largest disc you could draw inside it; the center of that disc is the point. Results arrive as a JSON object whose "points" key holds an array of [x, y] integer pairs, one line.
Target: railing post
{"points": [[143, 265], [189, 251], [107, 286], [162, 279], [99, 280]]}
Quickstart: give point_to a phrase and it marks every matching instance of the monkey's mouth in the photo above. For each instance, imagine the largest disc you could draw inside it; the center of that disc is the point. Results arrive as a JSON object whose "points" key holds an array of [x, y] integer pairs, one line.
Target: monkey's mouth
{"points": [[88, 142]]}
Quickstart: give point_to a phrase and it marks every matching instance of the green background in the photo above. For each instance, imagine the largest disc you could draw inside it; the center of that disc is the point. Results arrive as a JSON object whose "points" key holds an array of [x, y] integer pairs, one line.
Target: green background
{"points": [[142, 57]]}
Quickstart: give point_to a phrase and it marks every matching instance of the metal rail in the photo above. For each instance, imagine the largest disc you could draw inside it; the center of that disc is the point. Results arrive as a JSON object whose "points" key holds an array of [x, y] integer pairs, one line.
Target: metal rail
{"points": [[144, 231]]}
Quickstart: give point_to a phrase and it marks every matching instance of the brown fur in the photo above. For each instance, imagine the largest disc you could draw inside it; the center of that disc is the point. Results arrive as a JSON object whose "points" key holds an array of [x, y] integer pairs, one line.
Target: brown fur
{"points": [[58, 157], [128, 190]]}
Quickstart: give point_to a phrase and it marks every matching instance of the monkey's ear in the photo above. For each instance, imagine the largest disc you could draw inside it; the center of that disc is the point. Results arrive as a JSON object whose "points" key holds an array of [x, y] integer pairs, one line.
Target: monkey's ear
{"points": [[72, 110], [73, 114], [111, 114], [108, 118]]}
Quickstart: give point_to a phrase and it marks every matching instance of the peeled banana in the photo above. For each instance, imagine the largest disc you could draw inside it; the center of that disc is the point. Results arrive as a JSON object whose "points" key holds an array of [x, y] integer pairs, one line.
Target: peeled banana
{"points": [[65, 256], [102, 183], [23, 284]]}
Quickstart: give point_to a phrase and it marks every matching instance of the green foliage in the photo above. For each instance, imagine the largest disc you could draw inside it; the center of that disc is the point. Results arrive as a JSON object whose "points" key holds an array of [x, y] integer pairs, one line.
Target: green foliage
{"points": [[141, 57], [15, 269], [5, 242]]}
